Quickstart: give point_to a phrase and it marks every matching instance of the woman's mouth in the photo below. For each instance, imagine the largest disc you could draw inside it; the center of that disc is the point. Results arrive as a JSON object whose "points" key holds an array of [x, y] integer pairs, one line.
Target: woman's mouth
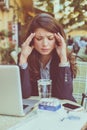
{"points": [[44, 49]]}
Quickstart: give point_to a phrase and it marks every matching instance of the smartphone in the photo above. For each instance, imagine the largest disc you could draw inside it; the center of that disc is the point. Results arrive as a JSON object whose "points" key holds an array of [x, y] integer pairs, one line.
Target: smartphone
{"points": [[71, 106]]}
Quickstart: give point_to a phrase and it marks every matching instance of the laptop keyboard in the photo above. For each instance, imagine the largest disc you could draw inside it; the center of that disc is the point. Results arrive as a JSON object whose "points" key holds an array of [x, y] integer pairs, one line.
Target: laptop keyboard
{"points": [[7, 122]]}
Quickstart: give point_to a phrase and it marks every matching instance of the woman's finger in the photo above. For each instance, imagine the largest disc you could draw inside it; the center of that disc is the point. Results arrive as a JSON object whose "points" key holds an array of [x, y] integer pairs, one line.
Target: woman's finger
{"points": [[58, 38], [29, 39]]}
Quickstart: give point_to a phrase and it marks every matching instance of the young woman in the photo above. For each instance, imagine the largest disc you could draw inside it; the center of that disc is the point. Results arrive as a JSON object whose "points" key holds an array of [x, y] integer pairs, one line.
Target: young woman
{"points": [[44, 55]]}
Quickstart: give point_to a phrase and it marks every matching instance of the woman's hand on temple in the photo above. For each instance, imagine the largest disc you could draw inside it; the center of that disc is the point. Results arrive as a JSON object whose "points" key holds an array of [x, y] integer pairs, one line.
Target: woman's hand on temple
{"points": [[61, 48], [26, 49]]}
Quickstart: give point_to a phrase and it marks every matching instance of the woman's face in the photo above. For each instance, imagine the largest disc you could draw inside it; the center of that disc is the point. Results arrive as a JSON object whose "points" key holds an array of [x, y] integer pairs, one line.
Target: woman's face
{"points": [[44, 41]]}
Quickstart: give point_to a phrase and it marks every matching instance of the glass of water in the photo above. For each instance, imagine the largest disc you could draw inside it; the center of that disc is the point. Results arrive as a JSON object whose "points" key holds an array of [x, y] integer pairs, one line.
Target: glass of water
{"points": [[44, 88]]}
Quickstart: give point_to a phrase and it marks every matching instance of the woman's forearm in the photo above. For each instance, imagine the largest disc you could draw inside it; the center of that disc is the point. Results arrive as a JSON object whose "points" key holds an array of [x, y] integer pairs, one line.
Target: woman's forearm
{"points": [[25, 83]]}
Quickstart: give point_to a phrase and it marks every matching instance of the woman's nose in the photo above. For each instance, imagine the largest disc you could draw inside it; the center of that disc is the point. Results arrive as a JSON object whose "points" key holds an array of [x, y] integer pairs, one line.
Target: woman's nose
{"points": [[45, 41]]}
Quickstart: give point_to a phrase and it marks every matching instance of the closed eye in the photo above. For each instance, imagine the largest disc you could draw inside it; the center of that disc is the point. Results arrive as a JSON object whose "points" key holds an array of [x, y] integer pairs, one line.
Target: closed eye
{"points": [[38, 38], [41, 37], [51, 37]]}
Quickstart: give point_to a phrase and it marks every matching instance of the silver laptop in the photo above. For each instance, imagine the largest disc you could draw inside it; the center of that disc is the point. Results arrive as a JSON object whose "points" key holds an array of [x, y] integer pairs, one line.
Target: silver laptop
{"points": [[11, 102]]}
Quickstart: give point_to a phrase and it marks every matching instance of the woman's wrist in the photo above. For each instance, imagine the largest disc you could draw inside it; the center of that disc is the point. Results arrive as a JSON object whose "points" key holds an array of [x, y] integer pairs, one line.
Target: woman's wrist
{"points": [[23, 66], [63, 59], [23, 60], [64, 64]]}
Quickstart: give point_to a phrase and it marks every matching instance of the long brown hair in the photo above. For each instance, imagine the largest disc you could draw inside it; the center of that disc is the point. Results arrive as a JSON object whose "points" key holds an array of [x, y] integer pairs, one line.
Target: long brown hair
{"points": [[48, 22]]}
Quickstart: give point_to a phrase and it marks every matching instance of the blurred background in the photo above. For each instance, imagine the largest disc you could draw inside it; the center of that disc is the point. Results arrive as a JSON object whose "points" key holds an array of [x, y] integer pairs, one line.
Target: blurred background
{"points": [[15, 16]]}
